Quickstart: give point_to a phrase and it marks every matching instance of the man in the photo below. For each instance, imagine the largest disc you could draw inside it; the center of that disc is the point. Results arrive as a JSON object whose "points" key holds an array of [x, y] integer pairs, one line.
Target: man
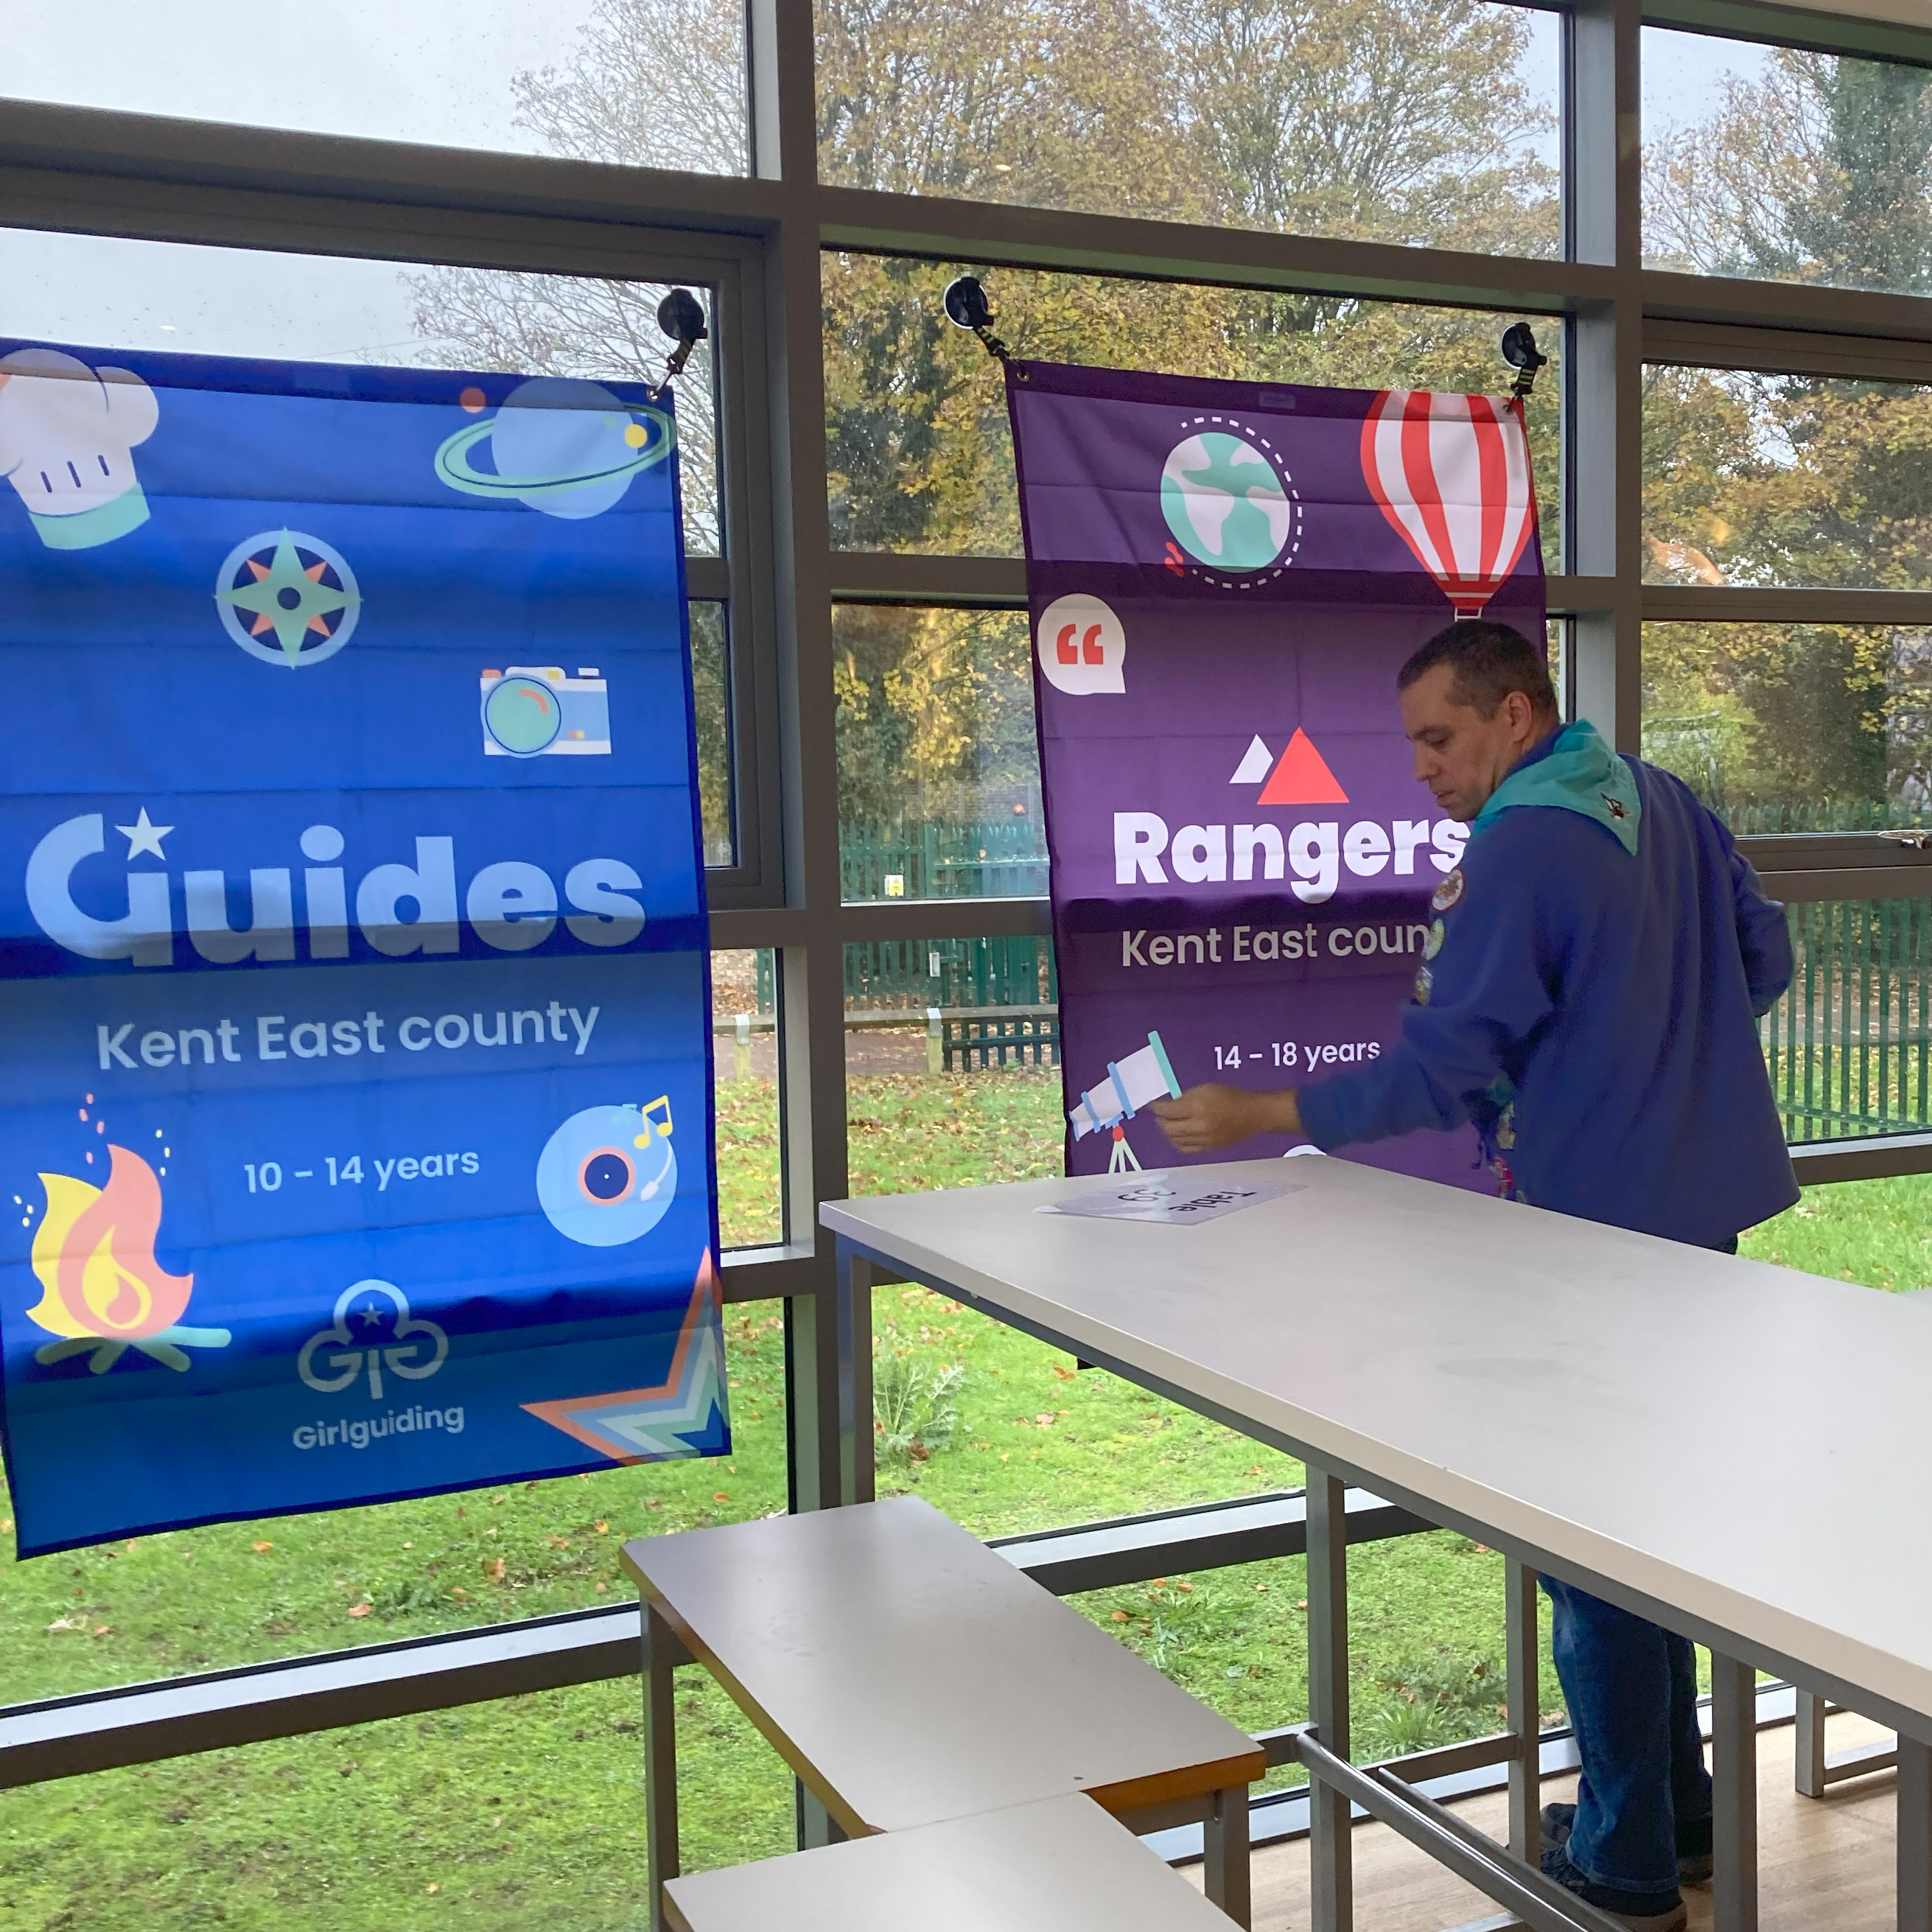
{"points": [[1589, 999]]}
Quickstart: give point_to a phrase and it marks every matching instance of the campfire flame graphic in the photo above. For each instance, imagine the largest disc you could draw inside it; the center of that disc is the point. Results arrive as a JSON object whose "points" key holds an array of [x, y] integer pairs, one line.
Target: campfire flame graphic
{"points": [[94, 1253]]}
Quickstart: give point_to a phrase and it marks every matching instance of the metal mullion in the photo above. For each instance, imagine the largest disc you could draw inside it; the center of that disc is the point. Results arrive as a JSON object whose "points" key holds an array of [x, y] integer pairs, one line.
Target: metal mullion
{"points": [[782, 84], [999, 582], [1780, 351], [1804, 308], [1603, 370], [900, 920], [998, 234], [1724, 604], [110, 144], [1825, 29]]}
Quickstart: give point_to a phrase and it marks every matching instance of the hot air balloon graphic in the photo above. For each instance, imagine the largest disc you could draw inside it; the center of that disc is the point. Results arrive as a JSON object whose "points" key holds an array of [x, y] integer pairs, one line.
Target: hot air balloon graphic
{"points": [[1452, 474]]}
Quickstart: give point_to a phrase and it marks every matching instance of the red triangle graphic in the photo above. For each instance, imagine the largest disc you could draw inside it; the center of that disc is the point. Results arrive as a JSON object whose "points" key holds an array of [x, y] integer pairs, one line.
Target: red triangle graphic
{"points": [[1302, 777]]}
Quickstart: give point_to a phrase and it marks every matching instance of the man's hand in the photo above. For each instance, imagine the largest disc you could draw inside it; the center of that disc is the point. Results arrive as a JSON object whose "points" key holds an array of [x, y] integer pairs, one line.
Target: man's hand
{"points": [[1213, 1116]]}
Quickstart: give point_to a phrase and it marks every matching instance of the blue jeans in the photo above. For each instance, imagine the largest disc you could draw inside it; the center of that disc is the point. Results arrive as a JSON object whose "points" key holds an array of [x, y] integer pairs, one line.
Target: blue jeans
{"points": [[1632, 1691]]}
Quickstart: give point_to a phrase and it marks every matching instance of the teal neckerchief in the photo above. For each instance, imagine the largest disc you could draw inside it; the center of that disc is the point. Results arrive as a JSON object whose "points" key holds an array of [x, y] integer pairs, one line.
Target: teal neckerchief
{"points": [[1580, 773]]}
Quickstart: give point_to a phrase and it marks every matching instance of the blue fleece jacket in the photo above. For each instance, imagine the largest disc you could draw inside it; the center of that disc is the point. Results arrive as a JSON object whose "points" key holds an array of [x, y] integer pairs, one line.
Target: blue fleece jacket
{"points": [[1592, 1009]]}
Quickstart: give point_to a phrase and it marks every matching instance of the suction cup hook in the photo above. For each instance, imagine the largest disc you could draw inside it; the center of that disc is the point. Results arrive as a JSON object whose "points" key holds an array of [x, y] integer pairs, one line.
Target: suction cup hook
{"points": [[966, 307], [681, 316], [1521, 353]]}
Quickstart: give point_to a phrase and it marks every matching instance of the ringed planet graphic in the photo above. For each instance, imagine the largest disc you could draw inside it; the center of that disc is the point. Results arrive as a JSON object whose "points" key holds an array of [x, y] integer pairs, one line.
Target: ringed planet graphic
{"points": [[559, 444]]}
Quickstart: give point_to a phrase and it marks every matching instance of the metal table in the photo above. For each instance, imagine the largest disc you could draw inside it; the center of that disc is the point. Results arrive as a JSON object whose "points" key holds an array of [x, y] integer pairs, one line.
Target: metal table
{"points": [[1589, 1401]]}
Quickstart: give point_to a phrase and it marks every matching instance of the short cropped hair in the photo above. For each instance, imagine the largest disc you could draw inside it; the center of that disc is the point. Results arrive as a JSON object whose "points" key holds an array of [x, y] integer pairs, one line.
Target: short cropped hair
{"points": [[1489, 661]]}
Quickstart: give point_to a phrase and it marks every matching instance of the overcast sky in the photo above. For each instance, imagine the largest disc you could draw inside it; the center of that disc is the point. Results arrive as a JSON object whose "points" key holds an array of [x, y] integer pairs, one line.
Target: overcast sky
{"points": [[435, 70]]}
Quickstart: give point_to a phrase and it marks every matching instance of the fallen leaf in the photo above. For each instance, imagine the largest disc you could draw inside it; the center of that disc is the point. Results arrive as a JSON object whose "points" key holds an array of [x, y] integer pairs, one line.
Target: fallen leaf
{"points": [[4, 1527], [435, 1888], [719, 1496], [461, 1595], [1045, 1418], [258, 1547], [494, 1571], [103, 1630], [1065, 1375], [67, 1624], [1301, 1603], [1188, 1587], [409, 1546], [1119, 1616], [603, 1529], [359, 1609]]}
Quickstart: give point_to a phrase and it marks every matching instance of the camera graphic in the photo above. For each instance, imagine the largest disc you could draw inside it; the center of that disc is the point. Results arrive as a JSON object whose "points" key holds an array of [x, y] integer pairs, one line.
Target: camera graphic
{"points": [[530, 710]]}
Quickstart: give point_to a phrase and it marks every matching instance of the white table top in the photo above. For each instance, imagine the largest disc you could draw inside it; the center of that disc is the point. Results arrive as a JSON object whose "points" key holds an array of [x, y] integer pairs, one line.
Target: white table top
{"points": [[1744, 1443], [908, 1673], [1059, 1865]]}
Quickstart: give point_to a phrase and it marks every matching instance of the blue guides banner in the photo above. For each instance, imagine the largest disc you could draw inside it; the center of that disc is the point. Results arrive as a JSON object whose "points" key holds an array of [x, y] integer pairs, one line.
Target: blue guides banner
{"points": [[355, 1022]]}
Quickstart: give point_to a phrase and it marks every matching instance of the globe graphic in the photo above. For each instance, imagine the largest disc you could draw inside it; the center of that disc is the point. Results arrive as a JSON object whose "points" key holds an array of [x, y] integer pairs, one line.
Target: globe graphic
{"points": [[1224, 503]]}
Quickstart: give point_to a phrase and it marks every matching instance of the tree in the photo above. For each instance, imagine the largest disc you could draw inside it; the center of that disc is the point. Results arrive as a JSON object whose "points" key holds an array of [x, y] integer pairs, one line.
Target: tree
{"points": [[1399, 119]]}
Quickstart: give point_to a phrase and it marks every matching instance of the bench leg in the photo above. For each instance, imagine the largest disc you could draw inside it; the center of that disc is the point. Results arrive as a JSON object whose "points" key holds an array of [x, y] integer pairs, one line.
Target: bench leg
{"points": [[661, 1650], [1224, 1841], [1331, 1874], [1734, 1775]]}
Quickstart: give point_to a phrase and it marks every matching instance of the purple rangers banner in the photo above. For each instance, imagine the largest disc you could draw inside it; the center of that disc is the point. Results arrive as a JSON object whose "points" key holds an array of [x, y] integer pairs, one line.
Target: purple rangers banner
{"points": [[1224, 579]]}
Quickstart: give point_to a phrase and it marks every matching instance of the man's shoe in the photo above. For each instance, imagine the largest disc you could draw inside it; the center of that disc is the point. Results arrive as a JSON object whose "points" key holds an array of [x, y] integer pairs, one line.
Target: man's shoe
{"points": [[1641, 1911], [1693, 1841]]}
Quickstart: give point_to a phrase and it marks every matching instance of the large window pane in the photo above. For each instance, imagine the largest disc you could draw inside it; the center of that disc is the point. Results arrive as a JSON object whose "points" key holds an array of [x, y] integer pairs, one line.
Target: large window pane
{"points": [[658, 83], [938, 766], [1849, 1046], [1386, 120], [1786, 481], [111, 293], [528, 1812], [920, 458], [1794, 727], [237, 1593], [1787, 166]]}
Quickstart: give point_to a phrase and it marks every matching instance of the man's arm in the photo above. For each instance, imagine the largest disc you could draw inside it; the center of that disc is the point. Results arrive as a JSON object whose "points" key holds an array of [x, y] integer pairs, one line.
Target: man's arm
{"points": [[1764, 938], [1488, 996]]}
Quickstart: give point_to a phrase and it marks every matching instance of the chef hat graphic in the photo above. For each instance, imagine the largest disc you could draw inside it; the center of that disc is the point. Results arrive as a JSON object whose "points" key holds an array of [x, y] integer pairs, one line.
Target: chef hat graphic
{"points": [[67, 434]]}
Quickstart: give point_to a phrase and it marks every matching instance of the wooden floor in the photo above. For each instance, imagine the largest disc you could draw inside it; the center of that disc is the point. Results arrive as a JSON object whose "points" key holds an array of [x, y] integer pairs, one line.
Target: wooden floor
{"points": [[1824, 1864]]}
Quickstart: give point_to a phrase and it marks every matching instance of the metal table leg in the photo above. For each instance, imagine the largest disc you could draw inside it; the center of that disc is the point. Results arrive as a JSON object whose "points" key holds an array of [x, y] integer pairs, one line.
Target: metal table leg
{"points": [[1525, 1715], [1331, 1874], [1225, 1842], [1734, 1775], [662, 1650], [1809, 1774], [1915, 1836]]}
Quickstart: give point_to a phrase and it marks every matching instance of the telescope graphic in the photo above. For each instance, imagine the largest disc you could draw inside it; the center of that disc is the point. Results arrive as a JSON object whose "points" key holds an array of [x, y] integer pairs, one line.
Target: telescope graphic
{"points": [[1129, 1085]]}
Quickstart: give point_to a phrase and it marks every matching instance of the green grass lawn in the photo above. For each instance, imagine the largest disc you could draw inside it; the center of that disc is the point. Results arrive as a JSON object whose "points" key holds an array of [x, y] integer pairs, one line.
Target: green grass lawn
{"points": [[510, 1812]]}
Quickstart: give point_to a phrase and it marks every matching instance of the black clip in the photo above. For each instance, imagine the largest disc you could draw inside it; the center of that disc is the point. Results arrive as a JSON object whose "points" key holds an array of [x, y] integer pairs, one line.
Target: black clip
{"points": [[1521, 353], [681, 316], [966, 307]]}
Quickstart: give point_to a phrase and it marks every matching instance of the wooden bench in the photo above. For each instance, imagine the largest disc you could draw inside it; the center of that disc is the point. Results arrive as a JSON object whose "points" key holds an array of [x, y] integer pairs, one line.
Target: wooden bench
{"points": [[1057, 1865], [909, 1674]]}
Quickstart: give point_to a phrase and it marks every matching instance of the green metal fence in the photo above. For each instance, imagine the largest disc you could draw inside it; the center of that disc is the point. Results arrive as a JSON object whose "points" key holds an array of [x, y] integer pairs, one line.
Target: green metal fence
{"points": [[999, 859], [955, 973], [1849, 1046]]}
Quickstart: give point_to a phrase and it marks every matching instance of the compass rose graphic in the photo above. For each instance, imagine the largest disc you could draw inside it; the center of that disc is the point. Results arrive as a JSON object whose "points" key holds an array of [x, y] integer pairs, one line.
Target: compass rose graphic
{"points": [[287, 598]]}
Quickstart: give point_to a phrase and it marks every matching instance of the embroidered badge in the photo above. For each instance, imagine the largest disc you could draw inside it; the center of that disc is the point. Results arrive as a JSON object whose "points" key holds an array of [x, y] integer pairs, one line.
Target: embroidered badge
{"points": [[1506, 1128], [1433, 944], [1505, 1177], [1614, 806], [1425, 982], [1447, 893]]}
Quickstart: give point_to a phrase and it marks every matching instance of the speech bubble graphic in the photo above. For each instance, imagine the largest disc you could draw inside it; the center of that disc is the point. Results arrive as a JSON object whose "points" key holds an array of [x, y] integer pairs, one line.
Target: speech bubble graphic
{"points": [[1081, 646]]}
